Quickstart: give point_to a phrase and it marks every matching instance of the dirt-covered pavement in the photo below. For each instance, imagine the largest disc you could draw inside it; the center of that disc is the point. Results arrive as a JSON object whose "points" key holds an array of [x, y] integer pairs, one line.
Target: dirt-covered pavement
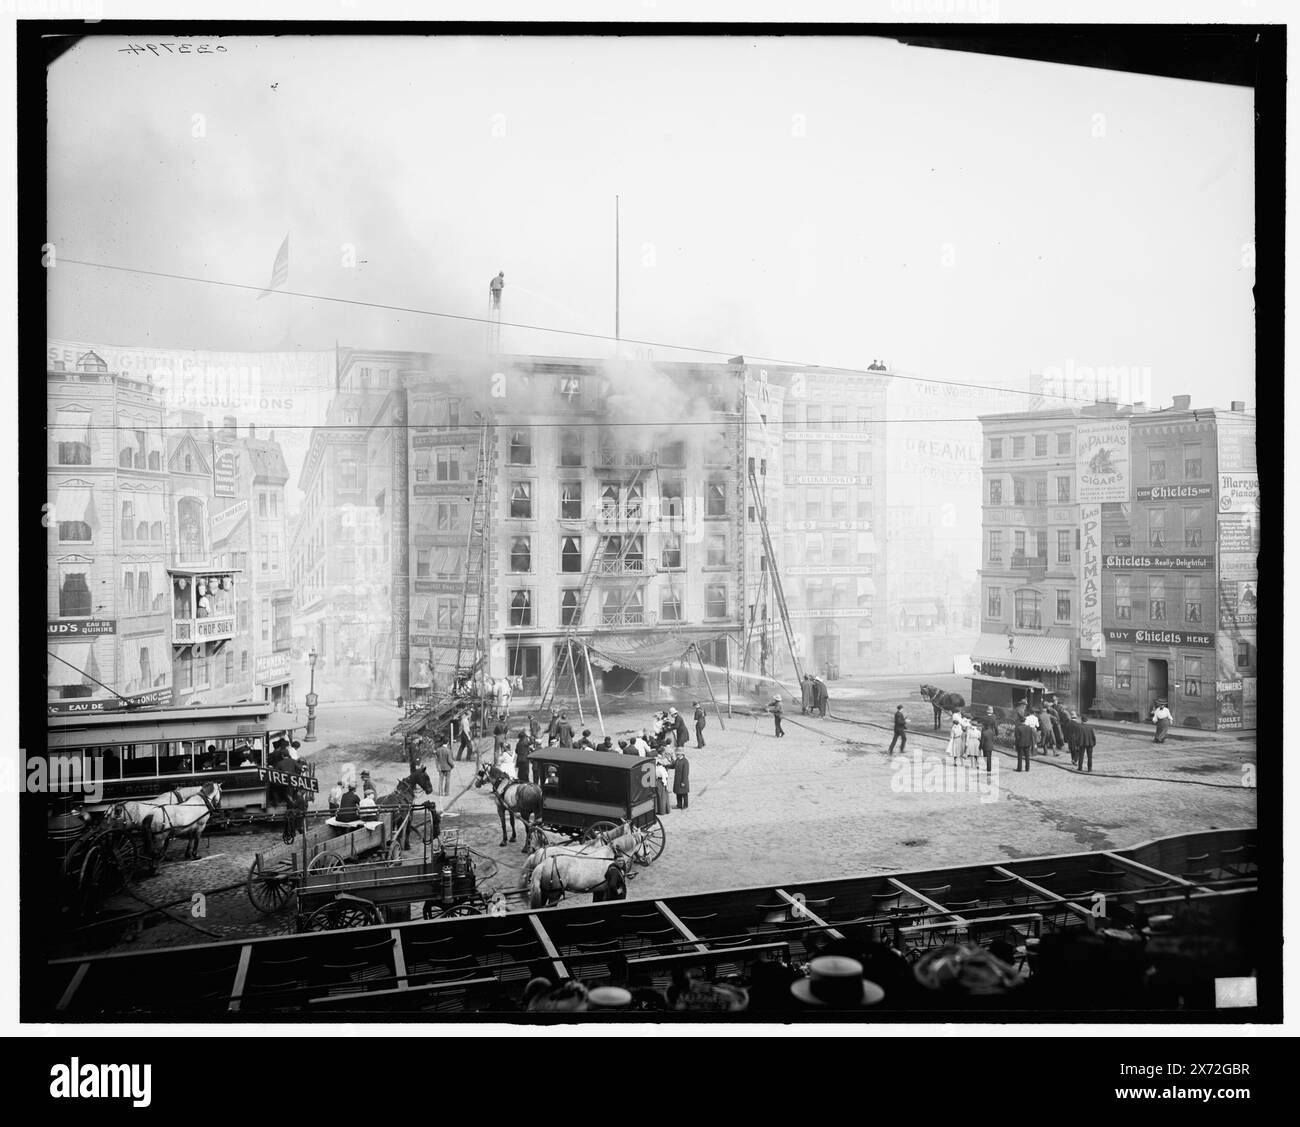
{"points": [[825, 801]]}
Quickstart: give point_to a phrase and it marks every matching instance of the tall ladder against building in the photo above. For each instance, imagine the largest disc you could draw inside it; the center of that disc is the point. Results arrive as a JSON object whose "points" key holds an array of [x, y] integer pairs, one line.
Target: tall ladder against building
{"points": [[594, 568], [771, 571], [471, 646]]}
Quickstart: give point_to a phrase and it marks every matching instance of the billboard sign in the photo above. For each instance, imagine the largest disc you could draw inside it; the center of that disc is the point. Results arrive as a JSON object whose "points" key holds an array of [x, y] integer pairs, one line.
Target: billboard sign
{"points": [[1102, 460]]}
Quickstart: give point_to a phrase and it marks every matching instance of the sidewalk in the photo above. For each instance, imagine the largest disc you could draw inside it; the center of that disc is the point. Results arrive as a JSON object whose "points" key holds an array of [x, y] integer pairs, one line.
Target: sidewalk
{"points": [[1176, 735]]}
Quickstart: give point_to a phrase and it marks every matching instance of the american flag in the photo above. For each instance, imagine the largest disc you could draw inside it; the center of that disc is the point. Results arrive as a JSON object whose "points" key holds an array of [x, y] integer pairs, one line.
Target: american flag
{"points": [[280, 271]]}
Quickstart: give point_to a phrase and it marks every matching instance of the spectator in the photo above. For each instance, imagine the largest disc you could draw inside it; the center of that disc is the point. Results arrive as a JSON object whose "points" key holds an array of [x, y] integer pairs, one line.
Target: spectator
{"points": [[443, 761], [1087, 741], [700, 720], [900, 732], [1164, 719], [682, 780], [775, 709]]}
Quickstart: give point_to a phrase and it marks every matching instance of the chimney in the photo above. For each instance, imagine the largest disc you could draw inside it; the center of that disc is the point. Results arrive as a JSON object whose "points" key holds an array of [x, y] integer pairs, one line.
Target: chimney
{"points": [[1182, 402], [1239, 406]]}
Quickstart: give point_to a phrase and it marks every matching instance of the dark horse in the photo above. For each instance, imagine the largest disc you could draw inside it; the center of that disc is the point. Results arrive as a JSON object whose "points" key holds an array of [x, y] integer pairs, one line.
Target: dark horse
{"points": [[942, 702], [402, 800], [513, 797]]}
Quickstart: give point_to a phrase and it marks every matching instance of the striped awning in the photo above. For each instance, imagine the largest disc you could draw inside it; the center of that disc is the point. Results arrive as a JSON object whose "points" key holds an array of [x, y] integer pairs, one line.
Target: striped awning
{"points": [[77, 666], [73, 503], [1051, 655], [72, 425]]}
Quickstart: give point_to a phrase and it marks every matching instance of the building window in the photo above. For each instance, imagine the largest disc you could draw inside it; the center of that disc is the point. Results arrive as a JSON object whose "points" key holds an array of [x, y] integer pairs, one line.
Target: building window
{"points": [[261, 504], [1158, 603], [521, 448], [74, 596], [1124, 671], [632, 498], [570, 387], [1018, 447], [423, 558], [814, 457], [715, 504], [1018, 490], [243, 661], [190, 519], [670, 607], [446, 414], [1063, 545], [230, 666], [995, 602], [447, 612], [1040, 491], [1063, 443], [447, 516], [864, 509], [521, 554], [839, 458], [571, 500], [569, 606], [671, 550], [74, 530], [1062, 605], [839, 549], [1040, 446], [995, 546], [609, 503], [571, 554], [448, 465], [995, 449], [266, 620], [1040, 546], [1123, 598], [1123, 540], [421, 473], [839, 418], [570, 447], [839, 504], [715, 550], [1192, 676], [1019, 549], [1243, 655], [715, 601], [521, 608], [1156, 527], [1029, 610], [1192, 462], [1192, 531], [1156, 465], [673, 454], [128, 520], [1062, 488], [521, 500], [1192, 599], [349, 474], [812, 509], [995, 491]]}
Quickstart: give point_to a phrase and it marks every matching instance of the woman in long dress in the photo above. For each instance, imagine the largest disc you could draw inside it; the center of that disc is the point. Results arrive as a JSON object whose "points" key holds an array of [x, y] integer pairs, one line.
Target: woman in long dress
{"points": [[973, 743], [957, 738]]}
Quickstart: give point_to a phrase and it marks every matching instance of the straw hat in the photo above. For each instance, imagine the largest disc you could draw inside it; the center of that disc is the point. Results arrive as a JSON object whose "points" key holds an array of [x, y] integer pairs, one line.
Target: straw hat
{"points": [[608, 998], [836, 981]]}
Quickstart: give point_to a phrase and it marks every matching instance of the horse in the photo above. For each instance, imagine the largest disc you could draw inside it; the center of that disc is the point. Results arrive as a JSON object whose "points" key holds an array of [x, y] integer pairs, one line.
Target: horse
{"points": [[941, 701], [499, 690], [513, 796], [183, 819], [402, 800], [551, 872], [133, 812]]}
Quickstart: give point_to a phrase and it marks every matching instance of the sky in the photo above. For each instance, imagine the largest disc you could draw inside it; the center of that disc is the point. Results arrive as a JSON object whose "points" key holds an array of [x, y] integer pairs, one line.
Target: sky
{"points": [[813, 200]]}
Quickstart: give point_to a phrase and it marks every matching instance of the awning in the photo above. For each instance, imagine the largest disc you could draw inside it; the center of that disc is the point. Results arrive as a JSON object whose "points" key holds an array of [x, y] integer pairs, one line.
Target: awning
{"points": [[74, 654], [866, 588], [642, 655], [72, 425], [449, 563], [73, 504], [420, 609], [1052, 655], [150, 507]]}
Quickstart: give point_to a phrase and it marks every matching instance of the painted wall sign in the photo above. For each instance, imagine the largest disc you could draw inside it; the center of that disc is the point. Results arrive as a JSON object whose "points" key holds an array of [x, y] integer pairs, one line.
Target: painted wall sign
{"points": [[1090, 576], [1173, 492], [1118, 562], [1102, 460], [81, 628], [1160, 638], [1239, 492]]}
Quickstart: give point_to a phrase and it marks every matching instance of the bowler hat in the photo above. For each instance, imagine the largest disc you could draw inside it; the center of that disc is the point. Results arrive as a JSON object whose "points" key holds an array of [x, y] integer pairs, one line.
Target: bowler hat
{"points": [[836, 981]]}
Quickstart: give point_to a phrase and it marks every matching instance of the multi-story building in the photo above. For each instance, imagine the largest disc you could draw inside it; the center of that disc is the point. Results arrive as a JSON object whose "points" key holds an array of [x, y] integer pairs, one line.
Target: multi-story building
{"points": [[1179, 575], [108, 520], [831, 424], [1115, 541]]}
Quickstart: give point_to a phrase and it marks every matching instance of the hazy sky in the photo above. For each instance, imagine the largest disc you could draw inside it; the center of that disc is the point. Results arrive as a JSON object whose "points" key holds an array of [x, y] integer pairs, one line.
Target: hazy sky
{"points": [[818, 200]]}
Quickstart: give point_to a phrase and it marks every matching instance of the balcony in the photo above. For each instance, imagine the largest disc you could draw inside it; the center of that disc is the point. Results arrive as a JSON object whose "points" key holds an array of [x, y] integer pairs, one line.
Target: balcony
{"points": [[625, 618], [203, 606], [631, 565]]}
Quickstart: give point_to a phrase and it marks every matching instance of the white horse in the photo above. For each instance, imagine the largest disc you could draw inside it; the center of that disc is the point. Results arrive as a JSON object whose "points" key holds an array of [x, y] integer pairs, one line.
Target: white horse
{"points": [[185, 819], [134, 812], [499, 690], [552, 871]]}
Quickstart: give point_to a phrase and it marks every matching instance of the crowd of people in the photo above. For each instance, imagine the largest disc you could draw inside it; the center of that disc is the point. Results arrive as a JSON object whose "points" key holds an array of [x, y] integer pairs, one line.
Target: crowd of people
{"points": [[1050, 728]]}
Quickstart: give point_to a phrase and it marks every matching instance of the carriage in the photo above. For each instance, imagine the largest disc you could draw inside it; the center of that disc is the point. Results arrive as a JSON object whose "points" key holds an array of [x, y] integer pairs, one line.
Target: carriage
{"points": [[90, 860], [1003, 695], [276, 875], [441, 883], [589, 793]]}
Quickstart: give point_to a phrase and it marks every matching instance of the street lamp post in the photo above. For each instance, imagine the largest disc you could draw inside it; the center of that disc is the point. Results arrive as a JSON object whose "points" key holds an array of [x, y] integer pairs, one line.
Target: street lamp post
{"points": [[312, 698]]}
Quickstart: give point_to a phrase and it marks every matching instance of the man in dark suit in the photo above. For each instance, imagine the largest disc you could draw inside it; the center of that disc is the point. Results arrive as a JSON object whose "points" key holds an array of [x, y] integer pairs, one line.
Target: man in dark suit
{"points": [[523, 748], [988, 730], [1024, 744], [681, 733], [900, 732], [1087, 741], [1074, 738], [564, 731], [699, 725], [348, 806]]}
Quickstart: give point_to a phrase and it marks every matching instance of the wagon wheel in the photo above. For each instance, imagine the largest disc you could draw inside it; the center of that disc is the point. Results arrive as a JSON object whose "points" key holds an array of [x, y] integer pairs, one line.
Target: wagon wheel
{"points": [[652, 843], [325, 863], [596, 829], [126, 856], [474, 907], [96, 861], [342, 913], [270, 889]]}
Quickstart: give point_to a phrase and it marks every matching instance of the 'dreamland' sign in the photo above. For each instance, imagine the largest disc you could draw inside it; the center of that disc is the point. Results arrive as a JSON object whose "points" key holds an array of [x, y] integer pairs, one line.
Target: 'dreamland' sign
{"points": [[1102, 460]]}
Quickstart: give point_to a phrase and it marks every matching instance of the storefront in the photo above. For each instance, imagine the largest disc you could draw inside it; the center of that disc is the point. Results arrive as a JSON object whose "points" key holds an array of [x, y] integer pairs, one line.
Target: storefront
{"points": [[274, 677], [1139, 667], [1029, 657]]}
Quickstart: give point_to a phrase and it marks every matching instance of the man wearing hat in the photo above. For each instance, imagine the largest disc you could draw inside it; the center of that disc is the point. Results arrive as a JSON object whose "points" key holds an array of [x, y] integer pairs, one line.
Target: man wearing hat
{"points": [[900, 732], [775, 709], [1024, 744], [1087, 741], [349, 806], [836, 981], [680, 732], [699, 725], [367, 787]]}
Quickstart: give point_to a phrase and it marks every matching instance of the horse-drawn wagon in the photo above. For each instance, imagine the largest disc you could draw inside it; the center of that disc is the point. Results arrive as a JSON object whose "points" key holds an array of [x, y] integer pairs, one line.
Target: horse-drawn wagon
{"points": [[90, 859], [1004, 695]]}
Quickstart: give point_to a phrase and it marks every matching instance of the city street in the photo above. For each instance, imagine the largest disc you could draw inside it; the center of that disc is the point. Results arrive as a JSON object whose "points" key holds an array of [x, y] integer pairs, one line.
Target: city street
{"points": [[826, 801]]}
